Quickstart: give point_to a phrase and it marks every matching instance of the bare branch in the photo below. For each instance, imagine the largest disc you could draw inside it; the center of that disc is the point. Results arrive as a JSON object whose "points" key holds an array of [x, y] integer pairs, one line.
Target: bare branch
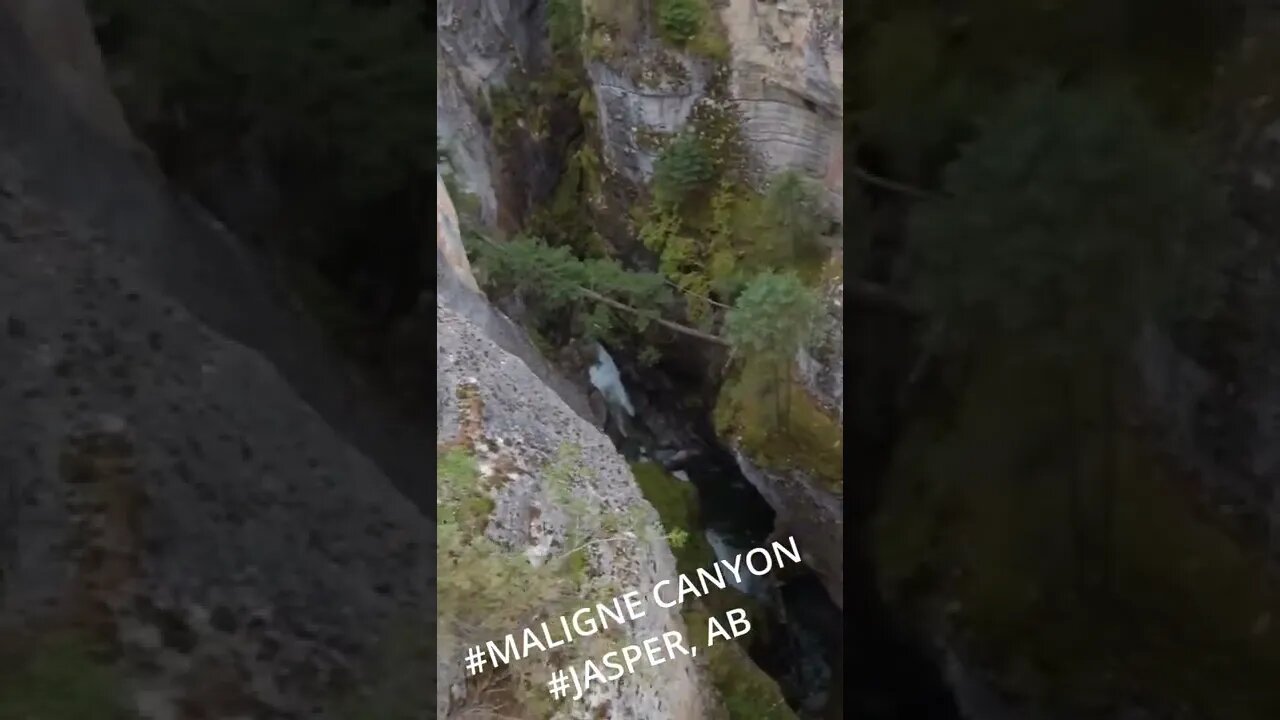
{"points": [[692, 294], [592, 294], [869, 293], [898, 187]]}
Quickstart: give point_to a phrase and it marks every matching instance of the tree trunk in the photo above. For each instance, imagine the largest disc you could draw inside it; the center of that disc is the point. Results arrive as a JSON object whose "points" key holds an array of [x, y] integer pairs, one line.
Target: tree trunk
{"points": [[1111, 468], [1075, 512], [1080, 545], [777, 399], [785, 388]]}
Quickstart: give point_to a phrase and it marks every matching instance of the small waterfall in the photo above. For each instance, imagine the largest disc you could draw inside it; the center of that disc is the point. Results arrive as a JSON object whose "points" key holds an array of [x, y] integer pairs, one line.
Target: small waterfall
{"points": [[605, 377], [726, 552]]}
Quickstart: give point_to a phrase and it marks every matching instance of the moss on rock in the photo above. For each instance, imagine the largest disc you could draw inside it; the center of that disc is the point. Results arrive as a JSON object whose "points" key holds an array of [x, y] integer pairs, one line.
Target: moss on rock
{"points": [[801, 437], [745, 690], [58, 677], [677, 505]]}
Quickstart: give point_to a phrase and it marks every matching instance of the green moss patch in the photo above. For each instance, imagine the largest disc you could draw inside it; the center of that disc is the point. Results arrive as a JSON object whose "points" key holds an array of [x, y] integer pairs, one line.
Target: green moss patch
{"points": [[677, 505], [692, 25], [476, 573], [462, 498], [60, 677], [977, 523], [780, 433], [746, 691]]}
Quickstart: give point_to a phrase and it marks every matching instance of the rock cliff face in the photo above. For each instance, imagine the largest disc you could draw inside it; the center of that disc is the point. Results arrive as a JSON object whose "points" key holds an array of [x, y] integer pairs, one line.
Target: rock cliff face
{"points": [[644, 93], [493, 403], [807, 511], [480, 46], [455, 282], [62, 38], [523, 426], [485, 50], [787, 61], [821, 364], [1220, 413], [169, 487], [784, 69], [781, 68], [166, 490], [449, 238]]}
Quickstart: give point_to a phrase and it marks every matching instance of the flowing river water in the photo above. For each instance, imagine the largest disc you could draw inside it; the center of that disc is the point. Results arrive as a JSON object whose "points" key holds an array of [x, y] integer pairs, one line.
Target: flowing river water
{"points": [[883, 673]]}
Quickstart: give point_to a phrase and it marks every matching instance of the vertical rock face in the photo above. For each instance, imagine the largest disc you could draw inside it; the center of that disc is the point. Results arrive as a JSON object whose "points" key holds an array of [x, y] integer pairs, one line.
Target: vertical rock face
{"points": [[1222, 413], [171, 480], [449, 238], [821, 363], [810, 513], [166, 491], [520, 428], [643, 96], [787, 61], [457, 286], [62, 36], [480, 46], [785, 74]]}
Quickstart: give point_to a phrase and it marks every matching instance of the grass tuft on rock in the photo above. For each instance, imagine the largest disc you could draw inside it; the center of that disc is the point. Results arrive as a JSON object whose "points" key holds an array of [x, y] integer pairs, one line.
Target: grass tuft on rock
{"points": [[59, 677]]}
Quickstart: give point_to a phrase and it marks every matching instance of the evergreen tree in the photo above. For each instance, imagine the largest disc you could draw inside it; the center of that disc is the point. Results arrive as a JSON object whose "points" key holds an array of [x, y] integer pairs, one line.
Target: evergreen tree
{"points": [[680, 20], [792, 221], [1070, 223], [1070, 219], [683, 167], [770, 321]]}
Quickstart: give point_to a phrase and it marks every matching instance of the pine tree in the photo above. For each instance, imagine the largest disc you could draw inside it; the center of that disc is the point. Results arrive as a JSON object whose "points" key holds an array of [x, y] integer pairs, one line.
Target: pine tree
{"points": [[770, 321], [1070, 224]]}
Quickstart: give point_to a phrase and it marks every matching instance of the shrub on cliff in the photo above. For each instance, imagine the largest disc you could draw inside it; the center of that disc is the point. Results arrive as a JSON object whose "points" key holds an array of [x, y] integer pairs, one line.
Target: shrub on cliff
{"points": [[564, 26], [772, 317], [685, 166], [790, 222], [680, 20], [1070, 221], [1070, 224], [596, 296]]}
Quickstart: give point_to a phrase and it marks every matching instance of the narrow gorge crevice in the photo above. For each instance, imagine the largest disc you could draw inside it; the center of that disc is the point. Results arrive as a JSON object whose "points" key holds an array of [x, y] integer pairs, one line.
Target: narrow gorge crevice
{"points": [[801, 642], [885, 672]]}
